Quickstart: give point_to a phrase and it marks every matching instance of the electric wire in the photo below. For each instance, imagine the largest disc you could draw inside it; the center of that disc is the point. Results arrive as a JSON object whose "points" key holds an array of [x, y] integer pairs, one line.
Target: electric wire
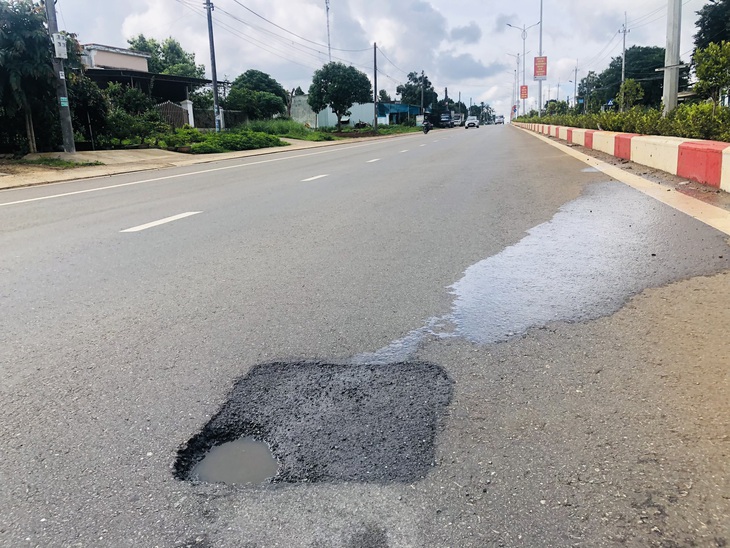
{"points": [[295, 34]]}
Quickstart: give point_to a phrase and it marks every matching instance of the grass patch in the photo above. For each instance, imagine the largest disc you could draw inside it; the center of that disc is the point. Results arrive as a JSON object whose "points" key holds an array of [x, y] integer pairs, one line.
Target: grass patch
{"points": [[284, 127], [53, 162]]}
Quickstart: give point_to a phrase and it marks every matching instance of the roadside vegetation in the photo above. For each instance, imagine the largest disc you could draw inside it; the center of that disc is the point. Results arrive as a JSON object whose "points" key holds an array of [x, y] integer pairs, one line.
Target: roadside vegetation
{"points": [[635, 106]]}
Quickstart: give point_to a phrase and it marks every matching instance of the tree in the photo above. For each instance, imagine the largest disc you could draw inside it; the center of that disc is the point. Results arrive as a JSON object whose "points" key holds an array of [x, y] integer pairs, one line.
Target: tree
{"points": [[630, 94], [383, 97], [713, 24], [641, 65], [338, 86], [410, 92], [27, 81], [712, 67], [255, 80], [89, 106], [256, 105], [587, 90], [167, 57]]}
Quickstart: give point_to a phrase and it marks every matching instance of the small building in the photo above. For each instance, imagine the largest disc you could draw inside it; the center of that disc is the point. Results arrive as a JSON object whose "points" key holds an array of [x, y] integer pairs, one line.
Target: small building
{"points": [[388, 113], [105, 64]]}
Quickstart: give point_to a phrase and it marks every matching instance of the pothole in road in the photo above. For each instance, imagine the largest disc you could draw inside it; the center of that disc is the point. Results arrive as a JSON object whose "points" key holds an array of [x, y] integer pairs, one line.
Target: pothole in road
{"points": [[329, 422], [241, 462]]}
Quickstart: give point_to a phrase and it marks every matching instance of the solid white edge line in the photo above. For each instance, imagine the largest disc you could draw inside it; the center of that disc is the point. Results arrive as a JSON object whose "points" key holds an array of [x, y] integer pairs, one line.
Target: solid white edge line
{"points": [[711, 215], [314, 178], [161, 222]]}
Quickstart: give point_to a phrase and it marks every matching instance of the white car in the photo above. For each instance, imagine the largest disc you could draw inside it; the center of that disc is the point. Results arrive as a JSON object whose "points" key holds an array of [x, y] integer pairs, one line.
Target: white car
{"points": [[471, 121]]}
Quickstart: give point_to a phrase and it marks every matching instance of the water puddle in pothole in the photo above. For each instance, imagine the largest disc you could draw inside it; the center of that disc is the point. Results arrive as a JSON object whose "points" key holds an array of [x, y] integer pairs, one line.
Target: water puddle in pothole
{"points": [[246, 462]]}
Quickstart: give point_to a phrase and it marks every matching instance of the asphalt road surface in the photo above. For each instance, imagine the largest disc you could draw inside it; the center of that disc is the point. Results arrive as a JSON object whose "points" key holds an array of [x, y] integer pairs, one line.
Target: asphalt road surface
{"points": [[460, 339]]}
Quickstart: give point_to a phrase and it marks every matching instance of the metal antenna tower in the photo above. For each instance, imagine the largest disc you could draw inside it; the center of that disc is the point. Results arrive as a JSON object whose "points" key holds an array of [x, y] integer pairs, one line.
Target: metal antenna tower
{"points": [[329, 43]]}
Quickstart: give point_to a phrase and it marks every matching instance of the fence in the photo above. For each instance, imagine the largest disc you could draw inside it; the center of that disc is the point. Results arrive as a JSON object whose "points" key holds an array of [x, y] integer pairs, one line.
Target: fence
{"points": [[172, 114]]}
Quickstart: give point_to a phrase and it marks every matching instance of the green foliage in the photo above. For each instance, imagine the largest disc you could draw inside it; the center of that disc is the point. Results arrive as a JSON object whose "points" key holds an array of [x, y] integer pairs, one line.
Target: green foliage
{"points": [[206, 147], [257, 105], [229, 141], [284, 127], [691, 121], [129, 99], [713, 24], [55, 162], [410, 92], [383, 97], [630, 94], [202, 99], [183, 137], [712, 66], [28, 106], [338, 86], [167, 57], [255, 80], [89, 105], [137, 129]]}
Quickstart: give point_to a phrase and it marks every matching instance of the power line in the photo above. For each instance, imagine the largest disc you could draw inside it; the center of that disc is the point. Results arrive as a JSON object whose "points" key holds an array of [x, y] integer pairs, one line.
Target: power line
{"points": [[295, 34]]}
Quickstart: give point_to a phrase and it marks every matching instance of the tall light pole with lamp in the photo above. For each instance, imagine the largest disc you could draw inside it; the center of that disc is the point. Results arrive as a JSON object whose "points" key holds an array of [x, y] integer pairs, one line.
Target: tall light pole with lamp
{"points": [[524, 30]]}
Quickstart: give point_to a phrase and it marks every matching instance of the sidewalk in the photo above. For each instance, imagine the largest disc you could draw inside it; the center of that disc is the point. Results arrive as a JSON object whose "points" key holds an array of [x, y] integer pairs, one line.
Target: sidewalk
{"points": [[128, 161]]}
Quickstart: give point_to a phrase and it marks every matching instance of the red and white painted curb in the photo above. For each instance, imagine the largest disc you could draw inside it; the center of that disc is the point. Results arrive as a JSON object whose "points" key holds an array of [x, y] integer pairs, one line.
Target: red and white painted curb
{"points": [[706, 162]]}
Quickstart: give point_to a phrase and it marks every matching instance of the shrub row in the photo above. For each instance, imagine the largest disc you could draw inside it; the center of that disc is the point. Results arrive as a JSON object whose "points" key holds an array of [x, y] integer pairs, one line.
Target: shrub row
{"points": [[226, 141], [692, 121]]}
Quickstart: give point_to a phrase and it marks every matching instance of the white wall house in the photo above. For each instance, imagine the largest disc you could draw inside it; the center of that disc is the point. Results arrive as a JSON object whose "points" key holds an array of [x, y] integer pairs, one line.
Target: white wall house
{"points": [[97, 56], [303, 113]]}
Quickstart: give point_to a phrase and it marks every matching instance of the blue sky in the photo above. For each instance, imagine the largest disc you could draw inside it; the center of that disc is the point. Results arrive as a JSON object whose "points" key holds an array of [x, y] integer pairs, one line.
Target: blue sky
{"points": [[464, 45]]}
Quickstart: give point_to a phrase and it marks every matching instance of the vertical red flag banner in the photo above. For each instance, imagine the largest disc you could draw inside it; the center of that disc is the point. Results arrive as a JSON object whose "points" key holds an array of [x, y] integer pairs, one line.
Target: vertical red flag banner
{"points": [[523, 92], [541, 68]]}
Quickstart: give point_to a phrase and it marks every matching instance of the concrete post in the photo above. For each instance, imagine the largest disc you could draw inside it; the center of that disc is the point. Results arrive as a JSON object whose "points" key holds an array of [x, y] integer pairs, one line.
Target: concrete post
{"points": [[671, 58], [188, 105]]}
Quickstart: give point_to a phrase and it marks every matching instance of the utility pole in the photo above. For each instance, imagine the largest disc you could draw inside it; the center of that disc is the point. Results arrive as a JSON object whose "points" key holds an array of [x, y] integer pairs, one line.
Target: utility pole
{"points": [[67, 129], [216, 106], [375, 90], [329, 43], [423, 85], [575, 85], [671, 58], [624, 31]]}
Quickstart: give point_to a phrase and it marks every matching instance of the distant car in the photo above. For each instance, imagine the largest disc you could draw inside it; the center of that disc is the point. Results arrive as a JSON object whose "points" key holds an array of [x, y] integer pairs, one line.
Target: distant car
{"points": [[471, 121], [446, 120], [499, 120]]}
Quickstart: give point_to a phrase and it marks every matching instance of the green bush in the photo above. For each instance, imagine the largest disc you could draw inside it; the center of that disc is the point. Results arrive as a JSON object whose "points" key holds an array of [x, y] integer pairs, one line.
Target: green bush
{"points": [[692, 121], [206, 147]]}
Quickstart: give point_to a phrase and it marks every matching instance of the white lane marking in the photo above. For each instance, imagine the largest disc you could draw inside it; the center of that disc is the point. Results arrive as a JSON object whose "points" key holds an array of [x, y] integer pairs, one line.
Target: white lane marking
{"points": [[161, 222], [373, 161], [421, 145], [314, 178], [402, 151], [711, 215], [179, 175]]}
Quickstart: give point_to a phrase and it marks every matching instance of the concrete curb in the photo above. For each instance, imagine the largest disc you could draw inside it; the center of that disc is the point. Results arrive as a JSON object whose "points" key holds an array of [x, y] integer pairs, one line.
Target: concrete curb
{"points": [[705, 162]]}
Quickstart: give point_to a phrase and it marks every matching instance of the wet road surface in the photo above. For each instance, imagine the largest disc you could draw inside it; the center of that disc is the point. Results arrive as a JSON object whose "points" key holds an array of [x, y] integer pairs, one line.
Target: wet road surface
{"points": [[536, 353]]}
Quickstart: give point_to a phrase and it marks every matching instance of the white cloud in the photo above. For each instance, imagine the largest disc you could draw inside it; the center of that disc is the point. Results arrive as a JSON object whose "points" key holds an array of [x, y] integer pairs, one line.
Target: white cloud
{"points": [[462, 46]]}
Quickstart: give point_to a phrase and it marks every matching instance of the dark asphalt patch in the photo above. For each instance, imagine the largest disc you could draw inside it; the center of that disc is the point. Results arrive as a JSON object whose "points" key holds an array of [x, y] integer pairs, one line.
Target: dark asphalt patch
{"points": [[333, 423]]}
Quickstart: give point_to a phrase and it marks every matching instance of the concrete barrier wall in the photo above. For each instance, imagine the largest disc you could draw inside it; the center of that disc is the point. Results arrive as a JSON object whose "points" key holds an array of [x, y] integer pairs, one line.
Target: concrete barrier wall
{"points": [[706, 162]]}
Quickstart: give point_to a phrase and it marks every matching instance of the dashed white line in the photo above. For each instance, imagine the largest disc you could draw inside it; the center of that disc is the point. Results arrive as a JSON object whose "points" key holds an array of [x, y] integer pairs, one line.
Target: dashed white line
{"points": [[161, 221], [402, 151], [314, 178], [422, 145], [373, 160]]}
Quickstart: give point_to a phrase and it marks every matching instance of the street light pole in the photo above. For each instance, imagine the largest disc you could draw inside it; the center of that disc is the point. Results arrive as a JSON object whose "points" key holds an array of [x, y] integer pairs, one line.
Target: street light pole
{"points": [[524, 55]]}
